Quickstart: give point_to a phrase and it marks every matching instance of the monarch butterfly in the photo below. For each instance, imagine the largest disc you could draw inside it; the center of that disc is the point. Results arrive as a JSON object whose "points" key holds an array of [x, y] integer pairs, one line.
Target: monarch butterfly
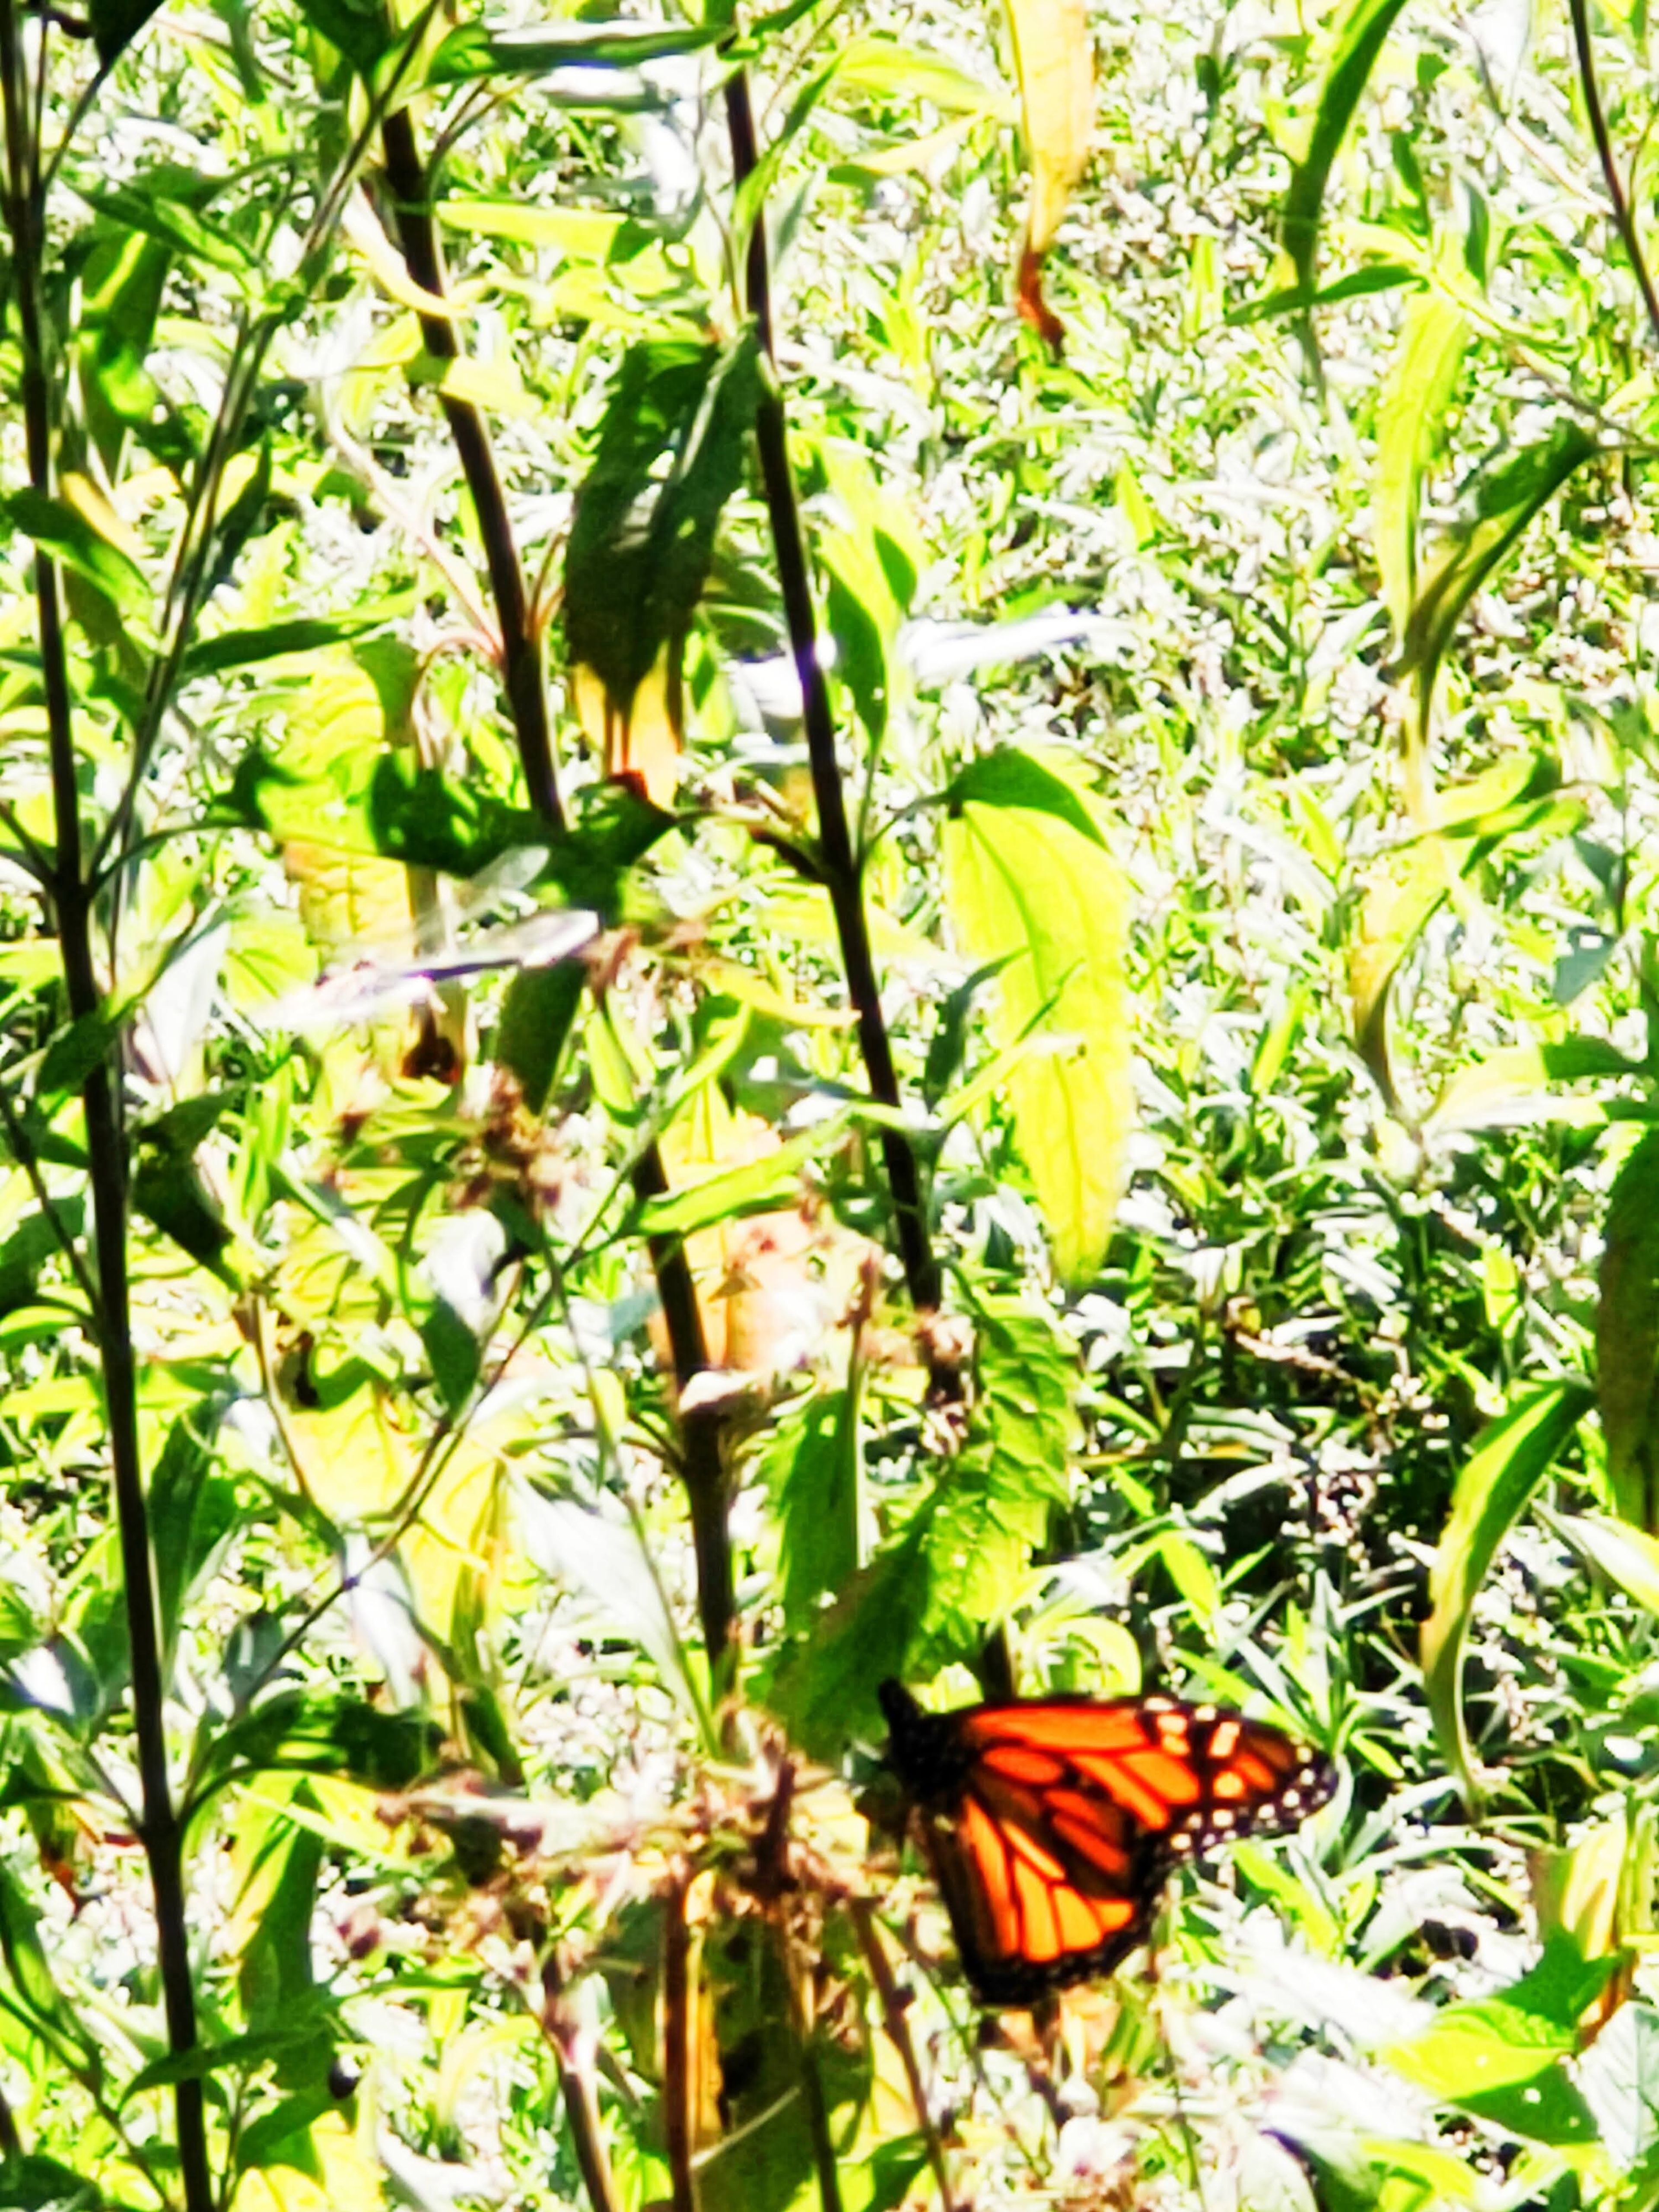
{"points": [[1051, 1823]]}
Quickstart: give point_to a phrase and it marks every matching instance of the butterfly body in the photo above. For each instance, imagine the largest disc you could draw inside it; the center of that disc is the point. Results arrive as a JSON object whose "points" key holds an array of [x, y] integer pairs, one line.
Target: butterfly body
{"points": [[1051, 1823]]}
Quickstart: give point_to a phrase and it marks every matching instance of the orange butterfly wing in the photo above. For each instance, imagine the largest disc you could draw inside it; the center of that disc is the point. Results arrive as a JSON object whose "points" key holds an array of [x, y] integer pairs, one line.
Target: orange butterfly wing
{"points": [[1050, 1824]]}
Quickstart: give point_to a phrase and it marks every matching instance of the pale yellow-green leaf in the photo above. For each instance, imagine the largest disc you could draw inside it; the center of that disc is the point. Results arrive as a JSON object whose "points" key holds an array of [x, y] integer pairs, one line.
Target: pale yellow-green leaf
{"points": [[1417, 391], [485, 384], [459, 1532], [578, 234], [1403, 888], [1625, 1555], [886, 69], [1054, 61], [1575, 1887], [362, 229], [31, 962], [464, 2056], [353, 1457], [1510, 1459], [1028, 886], [324, 2168]]}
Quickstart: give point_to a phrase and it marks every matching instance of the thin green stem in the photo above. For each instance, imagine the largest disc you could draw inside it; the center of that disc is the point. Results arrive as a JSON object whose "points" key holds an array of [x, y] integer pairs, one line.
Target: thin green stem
{"points": [[106, 1149]]}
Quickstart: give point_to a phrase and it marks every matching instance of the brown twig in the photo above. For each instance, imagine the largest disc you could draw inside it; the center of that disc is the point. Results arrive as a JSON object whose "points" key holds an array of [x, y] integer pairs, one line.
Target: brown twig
{"points": [[1623, 214], [576, 2087], [898, 2034], [842, 867], [702, 1457], [522, 673]]}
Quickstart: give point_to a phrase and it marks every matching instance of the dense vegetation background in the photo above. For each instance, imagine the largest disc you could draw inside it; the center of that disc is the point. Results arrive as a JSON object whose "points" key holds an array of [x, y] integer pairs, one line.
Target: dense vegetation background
{"points": [[746, 947]]}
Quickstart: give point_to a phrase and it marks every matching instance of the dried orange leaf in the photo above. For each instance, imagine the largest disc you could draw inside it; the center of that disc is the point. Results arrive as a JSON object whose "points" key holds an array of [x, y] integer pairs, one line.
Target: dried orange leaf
{"points": [[1054, 57]]}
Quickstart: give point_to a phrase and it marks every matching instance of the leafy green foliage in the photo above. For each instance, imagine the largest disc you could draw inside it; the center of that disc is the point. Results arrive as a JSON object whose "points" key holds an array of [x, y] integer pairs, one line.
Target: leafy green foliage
{"points": [[534, 1493]]}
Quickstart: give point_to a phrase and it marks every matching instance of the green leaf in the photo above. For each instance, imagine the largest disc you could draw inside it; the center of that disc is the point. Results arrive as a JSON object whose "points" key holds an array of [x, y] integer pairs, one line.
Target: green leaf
{"points": [[276, 1978], [192, 1513], [31, 1245], [813, 1465], [1031, 885], [362, 29], [539, 1006], [1512, 1457], [1406, 886], [1627, 1336], [1628, 1556], [1411, 424], [296, 1734], [122, 286], [154, 212], [62, 532], [116, 23], [728, 1194], [1359, 43], [37, 2184], [241, 2052], [73, 1053], [175, 1196], [25, 1954], [1502, 2056], [962, 1558], [1507, 1085], [455, 1352], [670, 454], [1358, 284], [473, 50], [390, 805], [243, 648], [1502, 504]]}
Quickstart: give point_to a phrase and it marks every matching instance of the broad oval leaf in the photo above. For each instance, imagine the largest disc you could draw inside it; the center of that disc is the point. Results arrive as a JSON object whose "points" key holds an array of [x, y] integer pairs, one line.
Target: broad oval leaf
{"points": [[1031, 884]]}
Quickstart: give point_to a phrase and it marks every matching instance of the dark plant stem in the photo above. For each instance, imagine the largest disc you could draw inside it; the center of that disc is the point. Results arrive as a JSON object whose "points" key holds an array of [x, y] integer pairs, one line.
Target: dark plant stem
{"points": [[898, 2034], [842, 867], [161, 1835], [702, 1464], [703, 1468], [576, 2087], [1623, 214], [522, 674], [676, 2045]]}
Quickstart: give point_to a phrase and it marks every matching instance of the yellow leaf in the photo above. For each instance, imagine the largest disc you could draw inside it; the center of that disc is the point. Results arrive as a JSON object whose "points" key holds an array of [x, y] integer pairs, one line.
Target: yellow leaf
{"points": [[362, 229], [322, 2168], [1053, 57], [458, 1532], [1031, 884], [644, 742], [353, 1459], [485, 384], [94, 510]]}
